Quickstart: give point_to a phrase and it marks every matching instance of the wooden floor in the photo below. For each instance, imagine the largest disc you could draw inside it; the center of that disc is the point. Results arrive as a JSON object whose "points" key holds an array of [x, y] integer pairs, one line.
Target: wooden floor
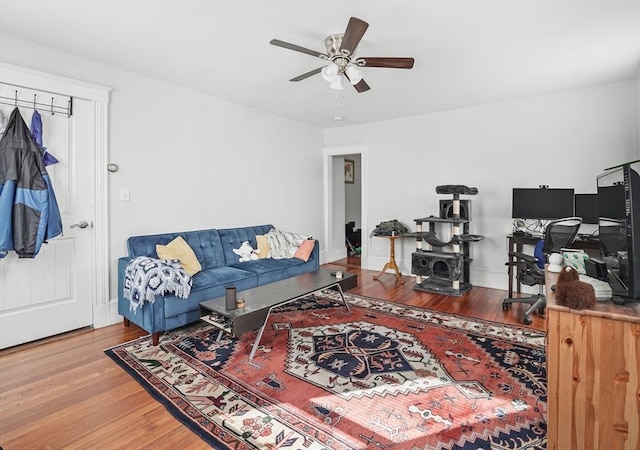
{"points": [[66, 393]]}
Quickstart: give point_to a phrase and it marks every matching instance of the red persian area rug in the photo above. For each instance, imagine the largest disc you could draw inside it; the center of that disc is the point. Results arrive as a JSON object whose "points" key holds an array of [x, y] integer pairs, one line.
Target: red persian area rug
{"points": [[383, 375]]}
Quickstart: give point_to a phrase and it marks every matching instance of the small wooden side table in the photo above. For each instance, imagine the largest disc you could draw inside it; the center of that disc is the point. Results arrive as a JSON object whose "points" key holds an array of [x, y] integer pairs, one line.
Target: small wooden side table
{"points": [[392, 258]]}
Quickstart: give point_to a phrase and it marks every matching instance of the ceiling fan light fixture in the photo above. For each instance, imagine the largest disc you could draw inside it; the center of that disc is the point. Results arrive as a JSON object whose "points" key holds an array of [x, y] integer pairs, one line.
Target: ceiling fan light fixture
{"points": [[330, 72], [341, 60], [337, 83], [354, 75]]}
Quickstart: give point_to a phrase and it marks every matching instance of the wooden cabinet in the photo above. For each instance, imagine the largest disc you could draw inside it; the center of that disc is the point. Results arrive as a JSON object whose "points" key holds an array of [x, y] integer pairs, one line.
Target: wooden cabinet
{"points": [[593, 370]]}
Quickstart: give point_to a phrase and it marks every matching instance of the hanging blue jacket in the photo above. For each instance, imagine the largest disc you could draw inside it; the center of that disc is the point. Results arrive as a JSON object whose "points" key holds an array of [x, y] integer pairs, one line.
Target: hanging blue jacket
{"points": [[36, 134], [29, 213]]}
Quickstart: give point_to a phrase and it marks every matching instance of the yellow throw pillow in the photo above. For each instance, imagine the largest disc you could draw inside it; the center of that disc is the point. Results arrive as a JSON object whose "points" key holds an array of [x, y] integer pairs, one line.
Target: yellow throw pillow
{"points": [[263, 245], [179, 249]]}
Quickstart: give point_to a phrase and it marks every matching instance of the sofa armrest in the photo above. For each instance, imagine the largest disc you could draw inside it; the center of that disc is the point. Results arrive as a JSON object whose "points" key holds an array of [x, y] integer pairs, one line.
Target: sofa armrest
{"points": [[148, 316], [315, 255]]}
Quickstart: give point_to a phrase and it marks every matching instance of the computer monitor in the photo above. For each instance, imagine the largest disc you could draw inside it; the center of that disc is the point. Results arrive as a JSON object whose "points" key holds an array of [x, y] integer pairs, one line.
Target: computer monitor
{"points": [[542, 203], [586, 207], [619, 229]]}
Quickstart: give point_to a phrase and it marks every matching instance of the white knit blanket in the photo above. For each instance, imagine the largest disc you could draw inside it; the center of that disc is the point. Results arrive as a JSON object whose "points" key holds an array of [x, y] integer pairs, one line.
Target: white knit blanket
{"points": [[146, 277], [283, 244]]}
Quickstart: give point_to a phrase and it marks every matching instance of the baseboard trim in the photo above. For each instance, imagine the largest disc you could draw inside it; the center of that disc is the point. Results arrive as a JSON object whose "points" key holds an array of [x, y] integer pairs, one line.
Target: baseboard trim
{"points": [[105, 315]]}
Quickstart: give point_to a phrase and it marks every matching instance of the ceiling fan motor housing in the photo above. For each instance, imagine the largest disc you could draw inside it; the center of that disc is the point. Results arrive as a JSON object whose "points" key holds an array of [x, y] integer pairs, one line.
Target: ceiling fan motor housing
{"points": [[333, 43], [341, 58]]}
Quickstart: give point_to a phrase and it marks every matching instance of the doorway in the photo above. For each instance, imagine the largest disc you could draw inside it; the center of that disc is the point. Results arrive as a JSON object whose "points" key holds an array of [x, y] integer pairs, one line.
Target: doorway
{"points": [[345, 201], [353, 204]]}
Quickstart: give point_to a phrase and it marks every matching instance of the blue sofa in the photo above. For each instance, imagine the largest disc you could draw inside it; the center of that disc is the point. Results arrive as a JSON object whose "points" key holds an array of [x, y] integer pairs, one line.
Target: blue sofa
{"points": [[220, 269]]}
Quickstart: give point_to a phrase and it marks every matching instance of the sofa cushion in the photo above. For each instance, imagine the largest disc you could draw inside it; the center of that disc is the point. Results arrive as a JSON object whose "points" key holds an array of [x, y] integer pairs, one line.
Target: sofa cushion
{"points": [[209, 284], [205, 244], [180, 250], [270, 270]]}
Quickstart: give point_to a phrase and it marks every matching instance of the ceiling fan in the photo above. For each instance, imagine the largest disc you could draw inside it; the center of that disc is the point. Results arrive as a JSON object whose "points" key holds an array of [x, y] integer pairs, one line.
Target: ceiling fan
{"points": [[340, 55]]}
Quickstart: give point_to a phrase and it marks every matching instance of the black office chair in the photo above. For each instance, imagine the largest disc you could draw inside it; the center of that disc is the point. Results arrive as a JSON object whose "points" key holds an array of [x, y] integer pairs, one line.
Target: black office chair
{"points": [[559, 234]]}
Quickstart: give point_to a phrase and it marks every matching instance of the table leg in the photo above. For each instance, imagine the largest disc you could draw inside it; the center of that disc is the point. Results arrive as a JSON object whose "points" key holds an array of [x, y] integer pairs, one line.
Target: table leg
{"points": [[518, 249], [511, 259], [256, 343], [513, 247], [392, 262], [343, 299], [390, 265]]}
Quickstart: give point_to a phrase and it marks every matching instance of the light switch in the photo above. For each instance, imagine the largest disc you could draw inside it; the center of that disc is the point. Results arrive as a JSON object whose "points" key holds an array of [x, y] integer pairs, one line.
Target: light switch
{"points": [[124, 194]]}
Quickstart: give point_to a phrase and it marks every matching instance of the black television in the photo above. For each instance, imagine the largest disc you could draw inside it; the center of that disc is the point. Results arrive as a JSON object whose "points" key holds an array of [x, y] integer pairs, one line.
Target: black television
{"points": [[619, 229], [542, 203], [586, 207]]}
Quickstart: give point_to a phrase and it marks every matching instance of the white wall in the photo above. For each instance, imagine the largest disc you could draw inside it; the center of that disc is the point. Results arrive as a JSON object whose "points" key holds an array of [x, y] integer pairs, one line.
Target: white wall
{"points": [[192, 161], [562, 140]]}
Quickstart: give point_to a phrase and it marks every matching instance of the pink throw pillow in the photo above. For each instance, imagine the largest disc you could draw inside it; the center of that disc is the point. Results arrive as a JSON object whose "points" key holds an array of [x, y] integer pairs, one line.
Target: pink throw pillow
{"points": [[304, 250]]}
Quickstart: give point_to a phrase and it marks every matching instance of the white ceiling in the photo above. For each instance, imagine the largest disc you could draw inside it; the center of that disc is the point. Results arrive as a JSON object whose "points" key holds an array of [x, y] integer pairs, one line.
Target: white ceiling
{"points": [[466, 52]]}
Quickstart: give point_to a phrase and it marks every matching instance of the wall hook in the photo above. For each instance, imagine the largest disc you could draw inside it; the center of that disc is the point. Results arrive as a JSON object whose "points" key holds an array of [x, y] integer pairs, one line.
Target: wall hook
{"points": [[34, 102], [52, 113], [16, 98]]}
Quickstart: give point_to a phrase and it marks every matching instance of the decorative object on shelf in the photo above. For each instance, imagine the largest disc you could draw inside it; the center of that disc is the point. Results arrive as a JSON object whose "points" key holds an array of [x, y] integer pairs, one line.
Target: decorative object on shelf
{"points": [[349, 171], [572, 292], [230, 297], [438, 271], [390, 227], [555, 262]]}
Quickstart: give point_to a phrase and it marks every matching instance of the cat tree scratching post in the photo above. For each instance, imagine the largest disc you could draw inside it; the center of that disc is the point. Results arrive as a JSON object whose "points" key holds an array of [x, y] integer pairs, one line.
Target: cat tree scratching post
{"points": [[436, 270]]}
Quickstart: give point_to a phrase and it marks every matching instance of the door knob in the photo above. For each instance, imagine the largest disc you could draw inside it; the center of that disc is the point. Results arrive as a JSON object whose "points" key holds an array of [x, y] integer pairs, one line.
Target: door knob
{"points": [[81, 224]]}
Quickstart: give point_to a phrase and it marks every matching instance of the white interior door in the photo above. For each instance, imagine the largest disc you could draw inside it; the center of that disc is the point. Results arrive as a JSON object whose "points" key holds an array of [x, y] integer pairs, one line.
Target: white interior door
{"points": [[52, 293]]}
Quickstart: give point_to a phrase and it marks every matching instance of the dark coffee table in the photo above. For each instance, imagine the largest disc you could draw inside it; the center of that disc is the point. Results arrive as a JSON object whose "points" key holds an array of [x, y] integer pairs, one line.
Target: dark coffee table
{"points": [[260, 301]]}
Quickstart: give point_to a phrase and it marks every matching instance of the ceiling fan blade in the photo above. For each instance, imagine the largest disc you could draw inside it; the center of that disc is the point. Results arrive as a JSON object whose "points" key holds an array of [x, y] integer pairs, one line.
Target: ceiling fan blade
{"points": [[393, 63], [361, 86], [307, 75], [297, 48], [352, 35]]}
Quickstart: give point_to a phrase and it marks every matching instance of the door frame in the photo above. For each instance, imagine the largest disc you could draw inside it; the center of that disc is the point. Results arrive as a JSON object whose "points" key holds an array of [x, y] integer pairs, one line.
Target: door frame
{"points": [[99, 96], [329, 154]]}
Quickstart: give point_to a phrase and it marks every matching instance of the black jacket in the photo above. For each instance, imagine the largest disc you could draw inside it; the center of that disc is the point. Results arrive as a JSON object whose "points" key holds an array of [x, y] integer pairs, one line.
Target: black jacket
{"points": [[29, 213]]}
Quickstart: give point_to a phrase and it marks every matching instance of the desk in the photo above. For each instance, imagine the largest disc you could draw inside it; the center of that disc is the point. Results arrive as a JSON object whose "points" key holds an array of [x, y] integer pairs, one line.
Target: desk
{"points": [[517, 241], [392, 258], [593, 371]]}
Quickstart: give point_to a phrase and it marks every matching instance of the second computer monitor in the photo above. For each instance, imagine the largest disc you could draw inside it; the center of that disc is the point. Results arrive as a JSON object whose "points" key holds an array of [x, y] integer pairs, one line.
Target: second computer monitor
{"points": [[542, 203], [587, 208]]}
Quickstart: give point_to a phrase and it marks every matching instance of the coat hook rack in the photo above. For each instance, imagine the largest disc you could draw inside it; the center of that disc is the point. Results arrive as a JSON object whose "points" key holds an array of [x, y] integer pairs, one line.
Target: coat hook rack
{"points": [[52, 107]]}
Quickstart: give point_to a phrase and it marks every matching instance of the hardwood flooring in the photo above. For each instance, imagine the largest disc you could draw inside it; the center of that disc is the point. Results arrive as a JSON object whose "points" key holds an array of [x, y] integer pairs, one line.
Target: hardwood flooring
{"points": [[64, 392]]}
